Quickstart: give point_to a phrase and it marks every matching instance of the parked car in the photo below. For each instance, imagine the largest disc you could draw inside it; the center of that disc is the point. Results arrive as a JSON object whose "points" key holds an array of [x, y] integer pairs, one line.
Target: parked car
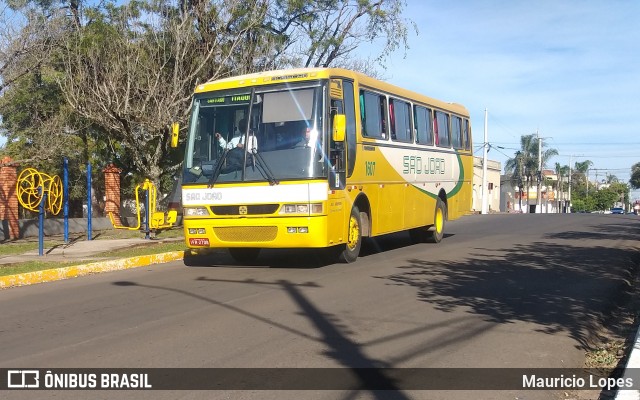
{"points": [[617, 210]]}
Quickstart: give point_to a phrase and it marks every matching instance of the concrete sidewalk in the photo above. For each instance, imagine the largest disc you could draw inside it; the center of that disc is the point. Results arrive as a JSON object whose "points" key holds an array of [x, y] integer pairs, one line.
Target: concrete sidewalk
{"points": [[81, 249], [85, 250]]}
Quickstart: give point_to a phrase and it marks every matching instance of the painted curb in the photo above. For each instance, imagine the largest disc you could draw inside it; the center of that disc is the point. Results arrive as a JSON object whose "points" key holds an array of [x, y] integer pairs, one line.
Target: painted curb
{"points": [[56, 274], [632, 362]]}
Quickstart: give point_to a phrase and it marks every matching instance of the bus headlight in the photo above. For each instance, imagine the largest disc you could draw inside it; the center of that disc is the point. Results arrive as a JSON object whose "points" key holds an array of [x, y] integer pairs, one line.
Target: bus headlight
{"points": [[195, 212], [301, 209]]}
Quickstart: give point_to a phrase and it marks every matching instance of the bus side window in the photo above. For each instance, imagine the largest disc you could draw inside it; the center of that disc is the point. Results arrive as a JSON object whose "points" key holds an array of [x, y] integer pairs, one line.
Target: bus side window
{"points": [[392, 120], [431, 134], [362, 114], [373, 114], [456, 132], [465, 135], [423, 125], [436, 134], [442, 128], [400, 120], [383, 116]]}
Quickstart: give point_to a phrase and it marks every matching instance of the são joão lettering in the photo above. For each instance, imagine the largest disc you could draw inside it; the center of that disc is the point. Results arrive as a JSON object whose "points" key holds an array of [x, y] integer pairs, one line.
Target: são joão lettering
{"points": [[419, 165], [203, 196]]}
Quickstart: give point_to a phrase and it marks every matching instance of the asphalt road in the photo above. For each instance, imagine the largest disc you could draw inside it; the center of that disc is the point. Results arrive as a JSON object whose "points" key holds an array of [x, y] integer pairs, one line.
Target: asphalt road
{"points": [[500, 291]]}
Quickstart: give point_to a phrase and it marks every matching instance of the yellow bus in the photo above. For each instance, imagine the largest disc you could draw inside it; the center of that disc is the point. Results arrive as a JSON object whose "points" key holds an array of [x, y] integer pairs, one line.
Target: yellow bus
{"points": [[320, 158]]}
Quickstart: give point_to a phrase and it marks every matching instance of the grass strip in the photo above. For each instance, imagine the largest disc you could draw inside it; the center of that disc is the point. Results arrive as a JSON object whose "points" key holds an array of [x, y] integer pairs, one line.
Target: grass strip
{"points": [[141, 250]]}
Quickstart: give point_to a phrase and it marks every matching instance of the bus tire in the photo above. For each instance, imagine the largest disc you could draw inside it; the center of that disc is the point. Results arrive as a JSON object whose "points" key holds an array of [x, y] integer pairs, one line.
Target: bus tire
{"points": [[350, 251], [436, 233], [243, 255]]}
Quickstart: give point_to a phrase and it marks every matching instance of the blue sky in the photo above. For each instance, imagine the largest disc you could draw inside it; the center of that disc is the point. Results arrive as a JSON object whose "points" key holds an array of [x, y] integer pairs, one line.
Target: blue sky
{"points": [[567, 69]]}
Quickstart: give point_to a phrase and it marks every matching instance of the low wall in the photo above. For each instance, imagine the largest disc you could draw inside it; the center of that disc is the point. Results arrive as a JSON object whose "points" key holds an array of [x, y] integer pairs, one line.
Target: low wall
{"points": [[55, 226]]}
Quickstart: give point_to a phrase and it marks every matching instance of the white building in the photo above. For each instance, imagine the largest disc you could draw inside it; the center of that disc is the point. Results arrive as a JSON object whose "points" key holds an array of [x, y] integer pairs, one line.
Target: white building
{"points": [[493, 183], [516, 199]]}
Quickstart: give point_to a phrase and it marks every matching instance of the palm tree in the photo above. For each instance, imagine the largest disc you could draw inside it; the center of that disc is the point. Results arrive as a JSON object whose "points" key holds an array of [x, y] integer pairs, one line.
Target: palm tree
{"points": [[561, 172], [610, 178], [514, 168], [582, 168], [523, 168]]}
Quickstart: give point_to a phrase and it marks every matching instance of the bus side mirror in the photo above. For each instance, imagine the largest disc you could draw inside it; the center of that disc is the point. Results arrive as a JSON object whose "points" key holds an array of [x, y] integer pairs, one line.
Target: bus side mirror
{"points": [[339, 127], [175, 130]]}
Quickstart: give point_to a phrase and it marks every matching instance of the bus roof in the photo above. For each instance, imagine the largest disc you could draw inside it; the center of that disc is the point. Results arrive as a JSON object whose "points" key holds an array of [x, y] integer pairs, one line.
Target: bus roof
{"points": [[303, 74]]}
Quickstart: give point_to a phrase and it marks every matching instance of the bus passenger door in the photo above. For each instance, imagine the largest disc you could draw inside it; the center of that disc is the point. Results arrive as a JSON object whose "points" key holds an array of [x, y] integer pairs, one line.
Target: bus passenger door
{"points": [[338, 207]]}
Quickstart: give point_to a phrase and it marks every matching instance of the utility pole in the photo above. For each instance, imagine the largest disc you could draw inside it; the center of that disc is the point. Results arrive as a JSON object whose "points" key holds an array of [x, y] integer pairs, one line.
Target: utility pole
{"points": [[588, 182], [485, 185], [569, 205], [520, 183], [538, 199]]}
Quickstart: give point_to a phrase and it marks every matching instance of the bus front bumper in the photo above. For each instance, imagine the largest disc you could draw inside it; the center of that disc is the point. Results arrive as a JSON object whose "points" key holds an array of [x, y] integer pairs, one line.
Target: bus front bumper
{"points": [[273, 232]]}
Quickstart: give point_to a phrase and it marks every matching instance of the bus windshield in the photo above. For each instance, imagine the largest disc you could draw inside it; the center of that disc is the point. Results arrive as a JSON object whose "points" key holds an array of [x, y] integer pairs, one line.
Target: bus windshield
{"points": [[284, 141]]}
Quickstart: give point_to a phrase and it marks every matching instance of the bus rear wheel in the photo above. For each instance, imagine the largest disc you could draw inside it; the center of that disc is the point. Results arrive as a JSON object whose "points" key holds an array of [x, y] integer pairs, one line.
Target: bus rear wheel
{"points": [[435, 232], [349, 252], [244, 255]]}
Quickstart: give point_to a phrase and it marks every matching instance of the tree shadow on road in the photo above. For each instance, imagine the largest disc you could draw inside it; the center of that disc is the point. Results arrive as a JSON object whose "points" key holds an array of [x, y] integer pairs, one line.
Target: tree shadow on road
{"points": [[562, 288], [621, 230]]}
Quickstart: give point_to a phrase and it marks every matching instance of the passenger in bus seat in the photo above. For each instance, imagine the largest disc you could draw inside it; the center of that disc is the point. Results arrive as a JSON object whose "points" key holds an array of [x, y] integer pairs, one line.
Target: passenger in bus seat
{"points": [[292, 134], [301, 135]]}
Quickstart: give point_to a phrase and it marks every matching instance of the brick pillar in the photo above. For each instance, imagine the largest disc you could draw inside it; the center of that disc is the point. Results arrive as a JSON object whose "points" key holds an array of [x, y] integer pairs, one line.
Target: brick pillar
{"points": [[112, 192], [9, 197]]}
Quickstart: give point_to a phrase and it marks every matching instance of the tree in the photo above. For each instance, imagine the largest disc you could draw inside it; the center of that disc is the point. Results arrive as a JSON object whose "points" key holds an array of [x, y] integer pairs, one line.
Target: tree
{"points": [[327, 32], [635, 176], [132, 70], [621, 191], [123, 73], [561, 171], [28, 34], [524, 166], [604, 199]]}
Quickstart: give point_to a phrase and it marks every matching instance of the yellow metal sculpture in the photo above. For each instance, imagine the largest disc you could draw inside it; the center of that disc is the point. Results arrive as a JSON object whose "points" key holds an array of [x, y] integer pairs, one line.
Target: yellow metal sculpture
{"points": [[33, 186], [157, 219]]}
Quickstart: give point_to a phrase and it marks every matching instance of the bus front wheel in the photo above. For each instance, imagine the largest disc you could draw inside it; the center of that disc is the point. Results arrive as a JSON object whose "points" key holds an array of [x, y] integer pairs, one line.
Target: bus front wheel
{"points": [[244, 255], [348, 253]]}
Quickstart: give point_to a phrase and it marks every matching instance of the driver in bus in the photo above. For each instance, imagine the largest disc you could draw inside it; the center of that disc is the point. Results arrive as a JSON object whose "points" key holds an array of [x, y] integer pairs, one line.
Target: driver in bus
{"points": [[237, 141], [235, 147]]}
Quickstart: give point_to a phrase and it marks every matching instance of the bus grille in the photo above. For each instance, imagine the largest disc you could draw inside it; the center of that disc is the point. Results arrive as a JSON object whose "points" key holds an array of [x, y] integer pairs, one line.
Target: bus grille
{"points": [[246, 233], [251, 209]]}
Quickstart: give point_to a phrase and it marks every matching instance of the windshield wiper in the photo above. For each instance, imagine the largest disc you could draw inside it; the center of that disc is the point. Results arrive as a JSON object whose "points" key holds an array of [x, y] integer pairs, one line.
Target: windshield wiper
{"points": [[264, 169], [218, 170]]}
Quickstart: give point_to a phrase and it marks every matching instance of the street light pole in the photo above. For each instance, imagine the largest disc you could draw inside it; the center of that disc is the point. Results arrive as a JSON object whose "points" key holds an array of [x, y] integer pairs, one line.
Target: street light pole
{"points": [[484, 209], [538, 200], [569, 205]]}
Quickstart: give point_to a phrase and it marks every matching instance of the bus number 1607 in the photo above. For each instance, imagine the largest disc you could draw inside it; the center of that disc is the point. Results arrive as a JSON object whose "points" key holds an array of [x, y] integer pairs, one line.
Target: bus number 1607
{"points": [[370, 167]]}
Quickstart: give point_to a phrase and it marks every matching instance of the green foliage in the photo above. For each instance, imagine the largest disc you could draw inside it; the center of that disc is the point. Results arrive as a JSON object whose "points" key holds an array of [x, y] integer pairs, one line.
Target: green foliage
{"points": [[604, 199], [599, 200], [580, 204], [523, 167], [105, 87], [635, 176]]}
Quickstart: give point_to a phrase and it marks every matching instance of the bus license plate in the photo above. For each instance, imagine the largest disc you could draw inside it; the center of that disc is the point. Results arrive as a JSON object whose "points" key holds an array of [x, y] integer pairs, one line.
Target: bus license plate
{"points": [[199, 241]]}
